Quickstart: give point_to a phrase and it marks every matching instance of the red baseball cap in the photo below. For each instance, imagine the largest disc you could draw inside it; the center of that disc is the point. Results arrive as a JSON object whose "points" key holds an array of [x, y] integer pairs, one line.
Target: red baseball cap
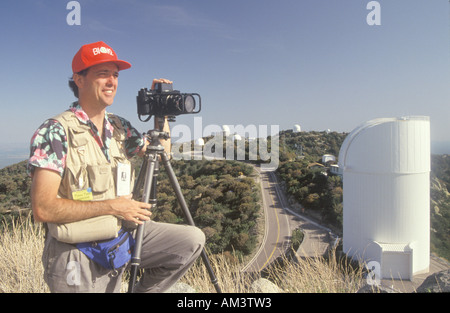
{"points": [[96, 53]]}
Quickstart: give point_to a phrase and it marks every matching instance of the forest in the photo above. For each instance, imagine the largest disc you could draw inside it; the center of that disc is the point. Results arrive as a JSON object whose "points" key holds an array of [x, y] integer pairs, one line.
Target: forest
{"points": [[306, 180], [223, 199]]}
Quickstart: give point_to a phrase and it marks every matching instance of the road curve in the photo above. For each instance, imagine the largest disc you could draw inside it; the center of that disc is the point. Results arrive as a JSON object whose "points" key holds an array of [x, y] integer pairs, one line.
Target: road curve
{"points": [[279, 223], [277, 228]]}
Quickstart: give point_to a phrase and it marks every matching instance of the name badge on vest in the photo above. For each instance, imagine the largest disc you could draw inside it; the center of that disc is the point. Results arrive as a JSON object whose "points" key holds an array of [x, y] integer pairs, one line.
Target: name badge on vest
{"points": [[83, 195], [123, 187]]}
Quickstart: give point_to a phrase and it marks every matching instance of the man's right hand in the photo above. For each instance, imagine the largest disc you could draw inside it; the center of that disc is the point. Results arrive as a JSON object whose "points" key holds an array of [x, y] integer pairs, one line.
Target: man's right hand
{"points": [[130, 210]]}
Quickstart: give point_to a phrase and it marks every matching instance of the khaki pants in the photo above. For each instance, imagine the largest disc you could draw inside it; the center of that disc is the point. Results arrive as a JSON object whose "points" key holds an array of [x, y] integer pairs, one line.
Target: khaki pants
{"points": [[168, 251]]}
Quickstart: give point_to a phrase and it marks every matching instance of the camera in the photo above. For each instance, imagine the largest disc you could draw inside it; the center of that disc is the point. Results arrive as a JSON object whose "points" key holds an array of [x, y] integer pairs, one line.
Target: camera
{"points": [[164, 101]]}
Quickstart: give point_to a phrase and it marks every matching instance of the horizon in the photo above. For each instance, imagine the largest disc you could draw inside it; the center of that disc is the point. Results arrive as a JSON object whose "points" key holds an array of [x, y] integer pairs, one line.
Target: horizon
{"points": [[13, 153]]}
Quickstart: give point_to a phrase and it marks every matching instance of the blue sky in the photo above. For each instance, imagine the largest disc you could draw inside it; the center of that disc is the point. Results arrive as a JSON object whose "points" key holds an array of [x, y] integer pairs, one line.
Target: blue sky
{"points": [[316, 63]]}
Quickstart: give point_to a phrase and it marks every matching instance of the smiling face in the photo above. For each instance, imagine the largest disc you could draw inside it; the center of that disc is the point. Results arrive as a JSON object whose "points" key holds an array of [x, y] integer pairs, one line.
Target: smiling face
{"points": [[98, 87]]}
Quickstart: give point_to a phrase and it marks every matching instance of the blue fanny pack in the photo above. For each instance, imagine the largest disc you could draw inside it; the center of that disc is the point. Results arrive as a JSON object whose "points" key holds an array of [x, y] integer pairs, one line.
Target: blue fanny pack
{"points": [[112, 254]]}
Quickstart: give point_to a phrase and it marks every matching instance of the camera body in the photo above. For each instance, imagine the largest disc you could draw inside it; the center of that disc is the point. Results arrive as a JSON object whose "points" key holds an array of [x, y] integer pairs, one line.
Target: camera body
{"points": [[164, 101]]}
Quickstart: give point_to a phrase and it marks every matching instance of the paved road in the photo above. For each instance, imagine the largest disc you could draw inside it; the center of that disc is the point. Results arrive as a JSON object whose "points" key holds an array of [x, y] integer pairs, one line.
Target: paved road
{"points": [[277, 226], [279, 223]]}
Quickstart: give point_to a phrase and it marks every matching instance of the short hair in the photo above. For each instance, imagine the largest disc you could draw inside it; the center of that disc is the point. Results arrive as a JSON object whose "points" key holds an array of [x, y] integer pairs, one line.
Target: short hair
{"points": [[73, 85]]}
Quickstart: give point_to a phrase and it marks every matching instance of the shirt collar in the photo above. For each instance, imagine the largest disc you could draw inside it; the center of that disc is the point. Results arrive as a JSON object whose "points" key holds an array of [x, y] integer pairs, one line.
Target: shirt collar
{"points": [[108, 130], [84, 118]]}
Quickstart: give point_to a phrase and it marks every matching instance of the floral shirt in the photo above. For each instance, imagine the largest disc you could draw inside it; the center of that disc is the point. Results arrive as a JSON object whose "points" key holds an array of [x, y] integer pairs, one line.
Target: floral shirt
{"points": [[48, 147]]}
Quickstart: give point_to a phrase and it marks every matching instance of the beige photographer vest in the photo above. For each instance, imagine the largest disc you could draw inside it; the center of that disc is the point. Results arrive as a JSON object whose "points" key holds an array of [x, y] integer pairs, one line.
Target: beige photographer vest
{"points": [[86, 164], [89, 176]]}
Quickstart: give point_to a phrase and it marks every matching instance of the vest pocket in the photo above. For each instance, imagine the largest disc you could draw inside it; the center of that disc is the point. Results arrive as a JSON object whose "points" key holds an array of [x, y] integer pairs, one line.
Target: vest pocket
{"points": [[100, 180], [75, 180]]}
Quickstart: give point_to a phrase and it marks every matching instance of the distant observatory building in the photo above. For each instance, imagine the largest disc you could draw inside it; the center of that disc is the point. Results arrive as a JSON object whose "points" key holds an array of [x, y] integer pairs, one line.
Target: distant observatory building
{"points": [[200, 142], [226, 130], [386, 176], [297, 128]]}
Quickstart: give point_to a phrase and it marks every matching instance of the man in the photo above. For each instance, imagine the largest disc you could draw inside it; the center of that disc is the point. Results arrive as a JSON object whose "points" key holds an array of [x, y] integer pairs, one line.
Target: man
{"points": [[74, 162]]}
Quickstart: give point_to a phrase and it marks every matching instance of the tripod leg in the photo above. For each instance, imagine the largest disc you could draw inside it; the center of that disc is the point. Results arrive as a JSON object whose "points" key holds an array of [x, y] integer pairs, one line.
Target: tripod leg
{"points": [[187, 214], [148, 168]]}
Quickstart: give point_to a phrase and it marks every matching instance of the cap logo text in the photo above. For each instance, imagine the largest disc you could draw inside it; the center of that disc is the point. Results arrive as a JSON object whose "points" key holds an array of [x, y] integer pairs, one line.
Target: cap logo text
{"points": [[97, 51]]}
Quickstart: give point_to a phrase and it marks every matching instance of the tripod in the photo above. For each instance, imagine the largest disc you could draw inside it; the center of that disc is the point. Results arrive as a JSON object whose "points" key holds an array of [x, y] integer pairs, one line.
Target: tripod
{"points": [[147, 179]]}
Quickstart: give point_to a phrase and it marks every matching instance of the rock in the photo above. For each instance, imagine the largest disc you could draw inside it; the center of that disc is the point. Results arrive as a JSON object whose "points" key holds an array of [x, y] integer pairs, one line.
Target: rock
{"points": [[437, 282], [181, 288], [263, 285]]}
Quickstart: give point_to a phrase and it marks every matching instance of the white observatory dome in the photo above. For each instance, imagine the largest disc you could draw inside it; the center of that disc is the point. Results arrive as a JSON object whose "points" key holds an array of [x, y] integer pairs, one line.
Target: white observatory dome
{"points": [[297, 128], [200, 142], [226, 130], [386, 177]]}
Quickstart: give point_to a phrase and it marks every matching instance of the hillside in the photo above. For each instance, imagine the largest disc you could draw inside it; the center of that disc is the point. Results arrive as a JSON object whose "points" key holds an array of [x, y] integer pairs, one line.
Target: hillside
{"points": [[14, 189], [224, 198], [440, 205]]}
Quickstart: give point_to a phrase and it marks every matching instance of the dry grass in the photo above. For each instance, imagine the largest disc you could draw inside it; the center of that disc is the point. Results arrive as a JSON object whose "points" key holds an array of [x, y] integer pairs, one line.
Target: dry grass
{"points": [[20, 258], [227, 270], [21, 269], [318, 275], [310, 275]]}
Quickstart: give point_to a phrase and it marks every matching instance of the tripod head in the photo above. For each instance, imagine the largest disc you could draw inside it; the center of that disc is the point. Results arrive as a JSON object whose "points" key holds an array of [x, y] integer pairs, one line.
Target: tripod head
{"points": [[155, 136]]}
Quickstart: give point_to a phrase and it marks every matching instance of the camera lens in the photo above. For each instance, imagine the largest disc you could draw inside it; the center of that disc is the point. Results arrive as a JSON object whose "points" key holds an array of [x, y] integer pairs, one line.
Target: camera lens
{"points": [[189, 103]]}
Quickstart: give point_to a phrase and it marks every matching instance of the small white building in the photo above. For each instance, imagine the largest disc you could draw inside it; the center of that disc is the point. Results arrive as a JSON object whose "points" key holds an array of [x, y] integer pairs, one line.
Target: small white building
{"points": [[328, 158], [386, 185], [335, 169]]}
